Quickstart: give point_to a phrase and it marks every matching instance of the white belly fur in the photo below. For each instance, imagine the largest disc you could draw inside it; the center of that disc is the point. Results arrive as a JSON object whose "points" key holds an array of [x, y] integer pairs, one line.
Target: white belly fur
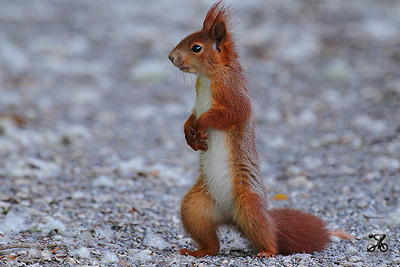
{"points": [[215, 160]]}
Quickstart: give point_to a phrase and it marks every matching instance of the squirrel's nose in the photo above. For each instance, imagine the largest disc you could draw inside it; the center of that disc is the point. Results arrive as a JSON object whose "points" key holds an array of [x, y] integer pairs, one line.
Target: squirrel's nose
{"points": [[171, 57]]}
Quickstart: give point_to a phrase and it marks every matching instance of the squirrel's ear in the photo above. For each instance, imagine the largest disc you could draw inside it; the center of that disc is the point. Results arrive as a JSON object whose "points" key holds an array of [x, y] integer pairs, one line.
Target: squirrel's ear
{"points": [[218, 32]]}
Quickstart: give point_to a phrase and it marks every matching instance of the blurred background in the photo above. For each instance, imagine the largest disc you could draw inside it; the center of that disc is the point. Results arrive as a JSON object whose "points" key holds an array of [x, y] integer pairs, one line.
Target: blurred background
{"points": [[324, 66]]}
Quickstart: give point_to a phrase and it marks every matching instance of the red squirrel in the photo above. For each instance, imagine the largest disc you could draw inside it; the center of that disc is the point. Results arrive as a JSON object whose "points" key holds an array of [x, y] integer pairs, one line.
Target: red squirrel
{"points": [[230, 190]]}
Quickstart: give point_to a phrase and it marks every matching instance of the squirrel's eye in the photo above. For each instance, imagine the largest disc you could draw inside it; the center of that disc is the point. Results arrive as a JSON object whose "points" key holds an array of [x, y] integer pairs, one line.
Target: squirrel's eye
{"points": [[196, 48]]}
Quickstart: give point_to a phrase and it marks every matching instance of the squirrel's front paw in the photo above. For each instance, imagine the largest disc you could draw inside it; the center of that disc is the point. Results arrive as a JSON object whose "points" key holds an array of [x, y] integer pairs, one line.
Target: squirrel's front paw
{"points": [[200, 131], [193, 141], [201, 135]]}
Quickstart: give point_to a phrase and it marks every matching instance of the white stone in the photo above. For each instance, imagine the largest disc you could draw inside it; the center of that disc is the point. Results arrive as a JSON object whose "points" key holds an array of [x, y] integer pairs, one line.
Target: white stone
{"points": [[103, 180], [312, 163], [300, 181], [154, 241], [109, 257]]}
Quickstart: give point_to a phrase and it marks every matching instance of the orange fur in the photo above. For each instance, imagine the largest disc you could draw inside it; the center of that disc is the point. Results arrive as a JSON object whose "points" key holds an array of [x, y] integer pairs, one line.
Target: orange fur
{"points": [[226, 128]]}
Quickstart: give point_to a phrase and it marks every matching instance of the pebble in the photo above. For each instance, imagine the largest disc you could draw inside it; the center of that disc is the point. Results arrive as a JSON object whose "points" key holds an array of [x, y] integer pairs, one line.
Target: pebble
{"points": [[103, 180], [396, 260], [354, 258], [339, 70], [306, 117], [35, 253], [109, 257], [351, 250], [154, 241], [32, 167], [143, 256], [74, 134], [300, 181], [394, 218], [362, 204], [52, 224], [365, 122], [83, 253], [385, 163], [312, 163], [131, 166]]}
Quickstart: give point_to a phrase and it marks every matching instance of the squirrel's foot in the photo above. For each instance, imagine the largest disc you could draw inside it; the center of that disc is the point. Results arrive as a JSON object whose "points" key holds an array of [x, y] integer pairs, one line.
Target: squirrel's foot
{"points": [[197, 253], [265, 254]]}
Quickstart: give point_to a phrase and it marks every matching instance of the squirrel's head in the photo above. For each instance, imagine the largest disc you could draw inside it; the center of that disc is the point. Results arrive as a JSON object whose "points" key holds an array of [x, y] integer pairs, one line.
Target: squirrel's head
{"points": [[207, 51]]}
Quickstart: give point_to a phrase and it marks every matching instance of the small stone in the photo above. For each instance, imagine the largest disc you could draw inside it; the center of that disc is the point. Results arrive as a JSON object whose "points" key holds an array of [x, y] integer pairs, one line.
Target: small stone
{"points": [[339, 70], [78, 195], [34, 253], [131, 166], [394, 218], [312, 163], [396, 260], [109, 257], [87, 235], [144, 255], [57, 238], [103, 180], [300, 181], [155, 241], [386, 163], [82, 253], [370, 176], [365, 122], [354, 258], [351, 250], [362, 204], [51, 225], [306, 117]]}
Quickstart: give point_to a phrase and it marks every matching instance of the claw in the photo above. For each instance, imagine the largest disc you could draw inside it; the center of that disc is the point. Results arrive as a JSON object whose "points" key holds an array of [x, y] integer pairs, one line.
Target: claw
{"points": [[264, 254]]}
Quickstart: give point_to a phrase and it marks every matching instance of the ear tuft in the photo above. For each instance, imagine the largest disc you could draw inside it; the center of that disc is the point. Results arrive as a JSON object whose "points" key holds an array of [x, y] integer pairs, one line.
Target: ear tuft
{"points": [[220, 11]]}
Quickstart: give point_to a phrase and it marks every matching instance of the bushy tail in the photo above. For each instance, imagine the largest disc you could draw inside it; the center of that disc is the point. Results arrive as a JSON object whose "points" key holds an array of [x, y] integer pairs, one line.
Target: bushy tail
{"points": [[298, 232]]}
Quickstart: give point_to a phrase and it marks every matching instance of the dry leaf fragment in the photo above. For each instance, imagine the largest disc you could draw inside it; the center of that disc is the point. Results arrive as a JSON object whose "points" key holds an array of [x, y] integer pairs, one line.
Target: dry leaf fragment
{"points": [[133, 210], [54, 250], [280, 197]]}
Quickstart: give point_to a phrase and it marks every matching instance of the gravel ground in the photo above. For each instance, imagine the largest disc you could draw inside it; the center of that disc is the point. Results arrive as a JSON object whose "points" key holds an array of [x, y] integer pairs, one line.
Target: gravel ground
{"points": [[93, 161]]}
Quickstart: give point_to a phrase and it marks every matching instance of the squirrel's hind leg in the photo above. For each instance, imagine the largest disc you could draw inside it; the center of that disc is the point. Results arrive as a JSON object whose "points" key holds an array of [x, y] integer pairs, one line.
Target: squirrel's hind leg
{"points": [[198, 219], [252, 220]]}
